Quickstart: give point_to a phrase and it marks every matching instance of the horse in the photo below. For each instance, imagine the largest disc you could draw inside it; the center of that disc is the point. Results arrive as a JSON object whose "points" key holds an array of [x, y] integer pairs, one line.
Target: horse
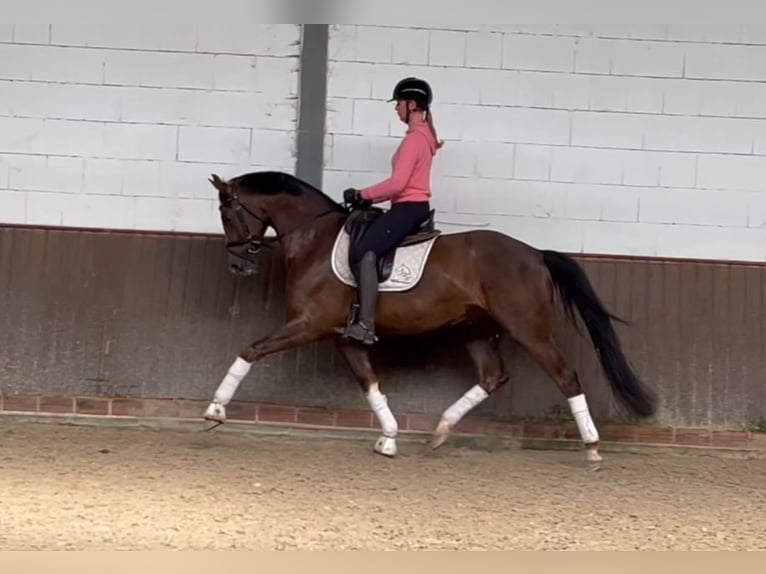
{"points": [[461, 283]]}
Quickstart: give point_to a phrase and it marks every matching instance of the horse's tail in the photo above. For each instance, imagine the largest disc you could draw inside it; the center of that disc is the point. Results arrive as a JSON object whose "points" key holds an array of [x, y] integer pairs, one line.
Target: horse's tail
{"points": [[576, 291]]}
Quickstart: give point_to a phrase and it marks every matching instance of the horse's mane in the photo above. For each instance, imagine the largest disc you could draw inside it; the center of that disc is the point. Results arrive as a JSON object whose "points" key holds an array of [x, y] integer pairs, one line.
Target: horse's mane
{"points": [[274, 182]]}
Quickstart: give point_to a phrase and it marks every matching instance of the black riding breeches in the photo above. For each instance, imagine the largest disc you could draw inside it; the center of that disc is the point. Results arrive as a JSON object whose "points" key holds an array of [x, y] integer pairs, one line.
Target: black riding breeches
{"points": [[385, 233]]}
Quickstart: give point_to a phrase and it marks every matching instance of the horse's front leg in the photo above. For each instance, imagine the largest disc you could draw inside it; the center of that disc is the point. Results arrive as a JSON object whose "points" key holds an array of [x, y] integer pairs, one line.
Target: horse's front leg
{"points": [[359, 360], [296, 332]]}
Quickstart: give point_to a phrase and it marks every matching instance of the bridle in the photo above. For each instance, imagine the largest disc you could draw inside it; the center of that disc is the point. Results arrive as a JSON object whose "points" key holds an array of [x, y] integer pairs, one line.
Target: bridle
{"points": [[252, 243]]}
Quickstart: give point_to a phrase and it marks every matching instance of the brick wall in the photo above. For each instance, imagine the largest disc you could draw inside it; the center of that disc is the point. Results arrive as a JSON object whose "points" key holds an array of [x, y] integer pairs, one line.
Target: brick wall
{"points": [[102, 126], [608, 139]]}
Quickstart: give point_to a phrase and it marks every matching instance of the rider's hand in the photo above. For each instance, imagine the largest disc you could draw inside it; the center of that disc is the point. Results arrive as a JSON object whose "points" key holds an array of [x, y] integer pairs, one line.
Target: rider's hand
{"points": [[353, 198]]}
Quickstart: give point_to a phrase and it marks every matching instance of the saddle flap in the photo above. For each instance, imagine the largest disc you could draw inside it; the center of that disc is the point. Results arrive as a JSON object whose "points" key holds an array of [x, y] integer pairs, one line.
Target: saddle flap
{"points": [[358, 222]]}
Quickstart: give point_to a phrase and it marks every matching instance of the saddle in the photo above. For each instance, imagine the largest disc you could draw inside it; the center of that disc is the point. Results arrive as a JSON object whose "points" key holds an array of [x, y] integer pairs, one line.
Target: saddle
{"points": [[359, 221]]}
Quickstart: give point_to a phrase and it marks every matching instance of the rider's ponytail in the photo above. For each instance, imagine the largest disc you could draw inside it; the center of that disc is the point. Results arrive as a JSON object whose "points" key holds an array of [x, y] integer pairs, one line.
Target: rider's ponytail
{"points": [[430, 122]]}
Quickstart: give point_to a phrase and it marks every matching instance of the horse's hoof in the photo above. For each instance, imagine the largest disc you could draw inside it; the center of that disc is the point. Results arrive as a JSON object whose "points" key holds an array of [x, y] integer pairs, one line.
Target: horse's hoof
{"points": [[438, 440], [592, 456], [212, 426], [440, 434], [386, 446], [215, 412]]}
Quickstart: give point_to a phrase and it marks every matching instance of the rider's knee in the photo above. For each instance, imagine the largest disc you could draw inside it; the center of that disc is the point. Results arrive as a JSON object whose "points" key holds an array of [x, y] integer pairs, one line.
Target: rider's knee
{"points": [[358, 256]]}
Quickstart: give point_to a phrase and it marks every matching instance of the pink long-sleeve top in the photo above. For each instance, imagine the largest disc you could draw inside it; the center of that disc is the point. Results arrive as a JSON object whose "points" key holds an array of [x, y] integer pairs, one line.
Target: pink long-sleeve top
{"points": [[410, 178]]}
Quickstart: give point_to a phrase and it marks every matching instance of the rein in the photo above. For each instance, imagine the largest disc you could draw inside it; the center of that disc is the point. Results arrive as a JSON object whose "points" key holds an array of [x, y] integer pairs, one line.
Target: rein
{"points": [[253, 244]]}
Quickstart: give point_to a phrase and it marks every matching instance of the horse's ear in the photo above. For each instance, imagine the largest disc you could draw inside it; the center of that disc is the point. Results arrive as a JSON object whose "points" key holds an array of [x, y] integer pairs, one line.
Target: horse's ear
{"points": [[219, 184]]}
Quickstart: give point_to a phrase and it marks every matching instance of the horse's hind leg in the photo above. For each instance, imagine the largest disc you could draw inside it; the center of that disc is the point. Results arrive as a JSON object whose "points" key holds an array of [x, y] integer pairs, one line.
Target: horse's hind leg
{"points": [[485, 353], [547, 355], [531, 325], [359, 360], [549, 358]]}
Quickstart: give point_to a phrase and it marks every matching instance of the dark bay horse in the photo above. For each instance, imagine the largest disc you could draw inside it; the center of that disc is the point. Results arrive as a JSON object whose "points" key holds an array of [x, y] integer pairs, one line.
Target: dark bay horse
{"points": [[487, 281]]}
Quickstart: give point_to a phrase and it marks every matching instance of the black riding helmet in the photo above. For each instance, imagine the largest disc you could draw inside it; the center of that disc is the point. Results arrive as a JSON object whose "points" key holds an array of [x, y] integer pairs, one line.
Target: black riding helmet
{"points": [[413, 89]]}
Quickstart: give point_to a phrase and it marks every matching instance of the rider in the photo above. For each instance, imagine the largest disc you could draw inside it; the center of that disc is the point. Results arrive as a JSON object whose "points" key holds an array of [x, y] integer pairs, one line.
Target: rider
{"points": [[409, 191]]}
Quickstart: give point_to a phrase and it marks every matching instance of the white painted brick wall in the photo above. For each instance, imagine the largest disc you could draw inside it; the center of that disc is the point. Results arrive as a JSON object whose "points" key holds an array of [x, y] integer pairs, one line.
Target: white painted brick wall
{"points": [[484, 50], [618, 139], [6, 32], [447, 48], [112, 126], [545, 53], [646, 140]]}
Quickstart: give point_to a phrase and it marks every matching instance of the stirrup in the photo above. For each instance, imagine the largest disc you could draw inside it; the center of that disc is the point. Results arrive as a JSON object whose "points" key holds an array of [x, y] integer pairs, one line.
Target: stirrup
{"points": [[358, 332]]}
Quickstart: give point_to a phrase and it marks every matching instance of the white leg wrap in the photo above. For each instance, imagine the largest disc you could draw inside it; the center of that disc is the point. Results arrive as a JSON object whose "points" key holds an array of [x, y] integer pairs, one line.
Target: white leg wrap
{"points": [[379, 406], [460, 407], [230, 383], [582, 417]]}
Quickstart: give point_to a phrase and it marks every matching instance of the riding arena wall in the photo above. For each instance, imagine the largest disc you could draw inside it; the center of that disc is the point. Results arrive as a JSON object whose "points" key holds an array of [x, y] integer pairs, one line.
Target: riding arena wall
{"points": [[639, 150]]}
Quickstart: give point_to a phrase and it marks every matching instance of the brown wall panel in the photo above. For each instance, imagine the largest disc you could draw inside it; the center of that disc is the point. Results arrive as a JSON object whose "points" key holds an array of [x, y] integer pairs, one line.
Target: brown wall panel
{"points": [[117, 314]]}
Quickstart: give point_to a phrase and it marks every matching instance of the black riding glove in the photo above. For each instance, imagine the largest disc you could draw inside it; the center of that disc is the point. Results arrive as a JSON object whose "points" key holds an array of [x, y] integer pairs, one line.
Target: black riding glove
{"points": [[352, 197]]}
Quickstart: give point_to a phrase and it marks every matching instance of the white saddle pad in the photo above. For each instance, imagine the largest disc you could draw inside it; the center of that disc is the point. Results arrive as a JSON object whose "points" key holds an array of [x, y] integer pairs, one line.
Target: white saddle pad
{"points": [[409, 262]]}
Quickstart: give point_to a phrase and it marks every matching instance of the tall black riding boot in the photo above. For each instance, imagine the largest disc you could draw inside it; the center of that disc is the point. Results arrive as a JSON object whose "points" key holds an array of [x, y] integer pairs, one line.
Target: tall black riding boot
{"points": [[363, 329]]}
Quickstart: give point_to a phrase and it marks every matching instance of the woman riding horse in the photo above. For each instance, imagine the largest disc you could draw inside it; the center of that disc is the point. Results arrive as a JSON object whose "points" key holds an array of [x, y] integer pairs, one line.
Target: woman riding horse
{"points": [[409, 191]]}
